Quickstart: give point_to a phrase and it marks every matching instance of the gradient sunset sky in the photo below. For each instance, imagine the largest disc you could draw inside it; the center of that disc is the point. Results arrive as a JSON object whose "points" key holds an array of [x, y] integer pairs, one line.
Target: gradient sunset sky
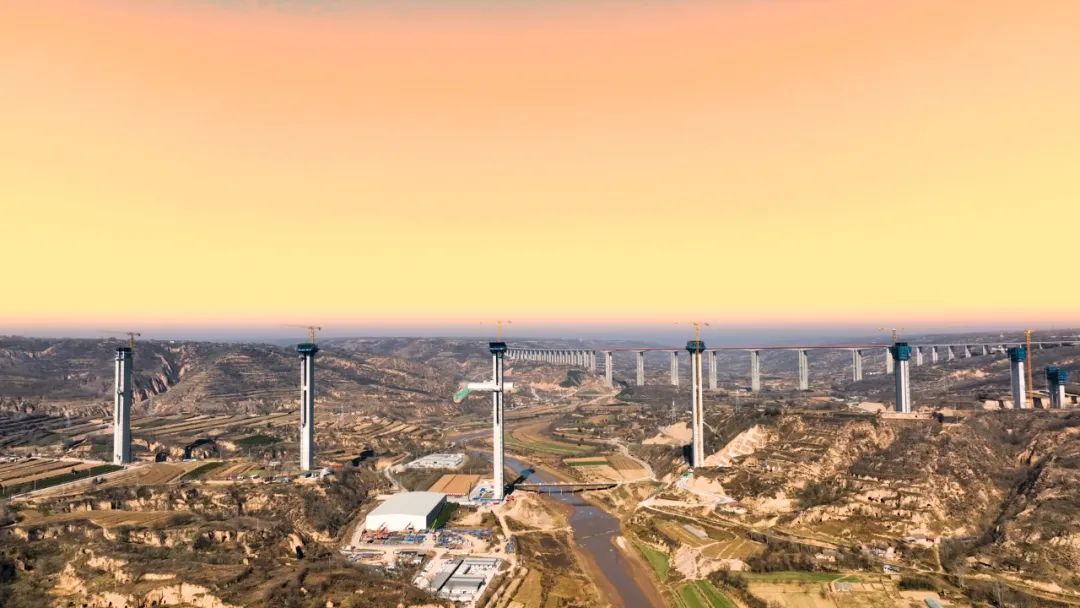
{"points": [[784, 161]]}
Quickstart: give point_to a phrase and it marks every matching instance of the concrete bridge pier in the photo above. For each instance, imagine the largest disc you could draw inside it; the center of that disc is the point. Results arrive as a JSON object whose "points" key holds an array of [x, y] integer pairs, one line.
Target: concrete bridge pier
{"points": [[856, 365], [307, 405], [696, 347], [901, 354], [674, 368], [497, 408], [934, 356], [122, 407], [918, 355], [985, 351], [1056, 378], [755, 371], [950, 354], [640, 356], [609, 369], [888, 361], [1017, 360], [804, 371], [967, 351], [712, 370]]}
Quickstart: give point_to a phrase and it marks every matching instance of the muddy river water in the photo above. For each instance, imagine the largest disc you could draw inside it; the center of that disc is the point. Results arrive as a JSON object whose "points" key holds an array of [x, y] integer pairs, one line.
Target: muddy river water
{"points": [[595, 532]]}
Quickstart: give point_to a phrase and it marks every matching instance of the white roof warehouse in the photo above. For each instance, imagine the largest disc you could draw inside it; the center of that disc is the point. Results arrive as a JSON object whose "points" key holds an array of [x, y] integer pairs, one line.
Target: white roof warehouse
{"points": [[407, 509]]}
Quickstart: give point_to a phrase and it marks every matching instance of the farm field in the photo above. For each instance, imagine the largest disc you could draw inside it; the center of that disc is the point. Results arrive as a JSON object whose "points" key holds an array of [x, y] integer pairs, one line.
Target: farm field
{"points": [[41, 429], [736, 548], [39, 473], [209, 424], [455, 484], [629, 468], [534, 437], [678, 532], [257, 440], [822, 595], [717, 544], [105, 519], [148, 474], [226, 471], [13, 472], [608, 467], [658, 560], [702, 594], [797, 577]]}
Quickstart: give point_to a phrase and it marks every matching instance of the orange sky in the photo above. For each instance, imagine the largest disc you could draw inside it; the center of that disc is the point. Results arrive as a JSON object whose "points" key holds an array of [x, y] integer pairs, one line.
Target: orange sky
{"points": [[775, 161]]}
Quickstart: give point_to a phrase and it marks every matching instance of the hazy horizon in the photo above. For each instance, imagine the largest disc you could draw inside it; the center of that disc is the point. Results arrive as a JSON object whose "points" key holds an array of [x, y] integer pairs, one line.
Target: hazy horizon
{"points": [[715, 334]]}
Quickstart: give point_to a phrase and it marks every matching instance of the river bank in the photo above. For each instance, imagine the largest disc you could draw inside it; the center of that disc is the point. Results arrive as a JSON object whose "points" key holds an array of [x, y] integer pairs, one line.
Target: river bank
{"points": [[618, 572]]}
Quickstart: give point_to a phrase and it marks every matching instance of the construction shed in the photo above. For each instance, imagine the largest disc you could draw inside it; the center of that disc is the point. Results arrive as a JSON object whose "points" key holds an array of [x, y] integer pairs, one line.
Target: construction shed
{"points": [[416, 510]]}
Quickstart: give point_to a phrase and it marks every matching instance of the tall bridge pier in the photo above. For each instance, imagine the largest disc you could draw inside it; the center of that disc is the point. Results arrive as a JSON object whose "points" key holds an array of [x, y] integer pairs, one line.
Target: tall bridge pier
{"points": [[755, 371], [1056, 378], [640, 356], [697, 409], [609, 369], [1017, 360], [674, 368], [498, 350], [804, 371], [712, 370], [307, 352], [122, 407], [901, 354], [856, 365], [497, 386]]}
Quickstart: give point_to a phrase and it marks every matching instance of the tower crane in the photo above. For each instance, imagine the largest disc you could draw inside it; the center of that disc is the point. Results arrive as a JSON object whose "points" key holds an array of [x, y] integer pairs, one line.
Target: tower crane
{"points": [[499, 329], [697, 328], [130, 334], [312, 329], [894, 330]]}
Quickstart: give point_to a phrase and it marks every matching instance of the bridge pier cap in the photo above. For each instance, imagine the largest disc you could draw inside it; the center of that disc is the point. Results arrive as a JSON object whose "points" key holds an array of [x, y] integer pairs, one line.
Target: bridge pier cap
{"points": [[901, 351], [1017, 354], [306, 349], [497, 348], [695, 346]]}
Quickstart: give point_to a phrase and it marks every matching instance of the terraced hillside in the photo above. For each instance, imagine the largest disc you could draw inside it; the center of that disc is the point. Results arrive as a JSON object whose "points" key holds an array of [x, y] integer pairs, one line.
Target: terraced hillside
{"points": [[991, 492], [75, 377]]}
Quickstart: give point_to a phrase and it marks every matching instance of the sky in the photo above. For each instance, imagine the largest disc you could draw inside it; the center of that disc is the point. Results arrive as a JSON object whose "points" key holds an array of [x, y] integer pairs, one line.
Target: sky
{"points": [[780, 163]]}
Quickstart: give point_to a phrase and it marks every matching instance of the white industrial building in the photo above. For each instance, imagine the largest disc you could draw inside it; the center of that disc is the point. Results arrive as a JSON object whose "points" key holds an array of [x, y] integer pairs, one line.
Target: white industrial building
{"points": [[416, 510], [462, 579], [438, 461]]}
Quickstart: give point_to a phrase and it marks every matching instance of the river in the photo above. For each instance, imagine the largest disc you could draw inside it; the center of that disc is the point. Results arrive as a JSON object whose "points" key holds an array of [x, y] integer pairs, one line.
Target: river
{"points": [[595, 532]]}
